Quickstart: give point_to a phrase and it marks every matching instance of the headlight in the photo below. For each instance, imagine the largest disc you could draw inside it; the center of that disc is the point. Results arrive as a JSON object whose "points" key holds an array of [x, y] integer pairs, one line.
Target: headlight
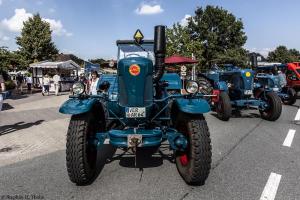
{"points": [[78, 88], [192, 87]]}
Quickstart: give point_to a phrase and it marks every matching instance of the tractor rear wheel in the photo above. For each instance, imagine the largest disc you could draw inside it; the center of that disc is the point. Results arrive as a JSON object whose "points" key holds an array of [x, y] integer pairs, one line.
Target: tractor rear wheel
{"points": [[81, 154], [205, 87], [273, 112], [194, 163], [223, 107], [292, 97]]}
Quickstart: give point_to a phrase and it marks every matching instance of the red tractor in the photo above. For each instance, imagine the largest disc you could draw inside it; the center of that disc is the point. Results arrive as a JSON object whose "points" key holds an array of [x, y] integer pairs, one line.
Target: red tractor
{"points": [[293, 75]]}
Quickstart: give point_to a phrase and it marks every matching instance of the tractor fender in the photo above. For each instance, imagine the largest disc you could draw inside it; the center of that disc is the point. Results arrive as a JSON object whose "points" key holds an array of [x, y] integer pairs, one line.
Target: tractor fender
{"points": [[192, 106], [221, 85], [77, 106]]}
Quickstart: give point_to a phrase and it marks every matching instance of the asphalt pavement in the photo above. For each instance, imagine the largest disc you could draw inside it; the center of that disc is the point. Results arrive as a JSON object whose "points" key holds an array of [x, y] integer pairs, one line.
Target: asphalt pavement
{"points": [[252, 159]]}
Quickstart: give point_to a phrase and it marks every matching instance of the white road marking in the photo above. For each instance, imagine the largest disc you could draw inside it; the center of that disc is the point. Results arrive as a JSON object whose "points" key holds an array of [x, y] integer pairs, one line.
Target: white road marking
{"points": [[297, 118], [289, 138], [271, 187]]}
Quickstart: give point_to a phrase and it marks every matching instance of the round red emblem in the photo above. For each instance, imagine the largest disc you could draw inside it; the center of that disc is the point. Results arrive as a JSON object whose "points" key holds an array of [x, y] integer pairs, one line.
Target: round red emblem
{"points": [[134, 70]]}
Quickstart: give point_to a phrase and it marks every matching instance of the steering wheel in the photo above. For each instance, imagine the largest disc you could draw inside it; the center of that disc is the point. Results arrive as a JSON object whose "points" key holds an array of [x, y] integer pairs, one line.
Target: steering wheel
{"points": [[132, 54]]}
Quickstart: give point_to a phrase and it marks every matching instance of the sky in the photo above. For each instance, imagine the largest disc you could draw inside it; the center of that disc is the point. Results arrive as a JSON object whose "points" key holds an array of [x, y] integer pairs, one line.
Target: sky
{"points": [[89, 28]]}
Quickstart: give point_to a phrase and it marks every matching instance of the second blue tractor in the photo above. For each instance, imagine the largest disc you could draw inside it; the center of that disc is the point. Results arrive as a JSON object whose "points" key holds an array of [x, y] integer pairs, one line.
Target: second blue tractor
{"points": [[234, 88]]}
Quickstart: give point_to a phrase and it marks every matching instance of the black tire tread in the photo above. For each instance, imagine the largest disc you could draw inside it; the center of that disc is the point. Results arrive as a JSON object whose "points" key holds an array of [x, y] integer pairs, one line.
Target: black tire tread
{"points": [[205, 87], [227, 110], [292, 100], [275, 110], [77, 167], [200, 145]]}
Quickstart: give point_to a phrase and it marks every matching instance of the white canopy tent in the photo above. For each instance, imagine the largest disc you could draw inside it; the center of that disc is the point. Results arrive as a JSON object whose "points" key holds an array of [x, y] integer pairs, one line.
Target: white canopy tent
{"points": [[70, 65], [67, 69]]}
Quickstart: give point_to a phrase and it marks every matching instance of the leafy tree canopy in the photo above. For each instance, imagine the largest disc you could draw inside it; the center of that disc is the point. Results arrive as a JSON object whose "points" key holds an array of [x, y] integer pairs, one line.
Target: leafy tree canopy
{"points": [[284, 55], [213, 34], [35, 41], [10, 60]]}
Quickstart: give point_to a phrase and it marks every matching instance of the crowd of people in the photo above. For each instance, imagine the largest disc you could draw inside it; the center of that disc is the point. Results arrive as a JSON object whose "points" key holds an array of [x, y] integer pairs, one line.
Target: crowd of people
{"points": [[21, 80], [91, 84]]}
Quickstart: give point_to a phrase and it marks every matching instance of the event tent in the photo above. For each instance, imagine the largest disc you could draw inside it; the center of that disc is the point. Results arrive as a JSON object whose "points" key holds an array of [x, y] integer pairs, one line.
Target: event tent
{"points": [[70, 65], [66, 68]]}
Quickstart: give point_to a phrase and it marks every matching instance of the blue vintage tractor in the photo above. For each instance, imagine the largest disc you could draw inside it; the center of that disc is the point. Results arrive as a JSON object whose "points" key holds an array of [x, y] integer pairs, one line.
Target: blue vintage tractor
{"points": [[268, 77], [133, 110], [234, 89]]}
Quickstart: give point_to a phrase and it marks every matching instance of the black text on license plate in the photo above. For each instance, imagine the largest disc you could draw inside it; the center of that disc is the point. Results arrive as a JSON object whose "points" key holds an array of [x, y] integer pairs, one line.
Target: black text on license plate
{"points": [[135, 112]]}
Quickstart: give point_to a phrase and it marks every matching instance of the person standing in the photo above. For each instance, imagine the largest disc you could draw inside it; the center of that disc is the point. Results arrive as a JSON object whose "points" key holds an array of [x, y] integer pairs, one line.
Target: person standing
{"points": [[2, 84], [2, 87], [83, 80], [20, 80], [46, 85], [29, 83], [56, 80], [282, 78], [93, 89]]}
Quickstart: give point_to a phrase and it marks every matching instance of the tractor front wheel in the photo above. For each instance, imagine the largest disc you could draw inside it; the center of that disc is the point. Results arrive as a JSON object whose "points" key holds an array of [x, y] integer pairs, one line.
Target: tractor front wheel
{"points": [[81, 154], [223, 107], [292, 97], [194, 163], [273, 112]]}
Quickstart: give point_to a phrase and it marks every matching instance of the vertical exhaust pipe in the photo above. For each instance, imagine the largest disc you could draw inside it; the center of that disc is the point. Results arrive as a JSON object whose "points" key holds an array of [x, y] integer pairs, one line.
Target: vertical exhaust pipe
{"points": [[159, 51]]}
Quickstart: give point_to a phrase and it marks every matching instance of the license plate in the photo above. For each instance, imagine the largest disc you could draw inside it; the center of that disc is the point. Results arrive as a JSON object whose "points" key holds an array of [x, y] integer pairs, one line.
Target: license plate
{"points": [[135, 112], [248, 92]]}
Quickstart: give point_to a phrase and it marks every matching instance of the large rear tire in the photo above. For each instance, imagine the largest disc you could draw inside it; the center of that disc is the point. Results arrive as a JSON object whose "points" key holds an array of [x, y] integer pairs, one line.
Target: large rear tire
{"points": [[81, 155], [223, 107], [205, 87], [292, 97], [194, 164], [273, 112]]}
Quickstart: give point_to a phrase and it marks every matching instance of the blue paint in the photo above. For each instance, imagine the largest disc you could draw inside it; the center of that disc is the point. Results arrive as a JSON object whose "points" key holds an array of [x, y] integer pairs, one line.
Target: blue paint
{"points": [[77, 106], [248, 102], [174, 81], [176, 140], [221, 85], [135, 90], [193, 106]]}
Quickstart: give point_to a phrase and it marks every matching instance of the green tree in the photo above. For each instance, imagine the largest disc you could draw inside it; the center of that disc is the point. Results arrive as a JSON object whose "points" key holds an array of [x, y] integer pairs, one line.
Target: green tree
{"points": [[35, 41], [222, 33], [294, 55], [179, 42], [99, 61], [4, 58], [284, 55], [10, 60]]}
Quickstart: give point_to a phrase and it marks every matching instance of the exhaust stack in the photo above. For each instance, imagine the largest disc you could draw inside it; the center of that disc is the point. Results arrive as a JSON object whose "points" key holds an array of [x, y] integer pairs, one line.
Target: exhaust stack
{"points": [[159, 51]]}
